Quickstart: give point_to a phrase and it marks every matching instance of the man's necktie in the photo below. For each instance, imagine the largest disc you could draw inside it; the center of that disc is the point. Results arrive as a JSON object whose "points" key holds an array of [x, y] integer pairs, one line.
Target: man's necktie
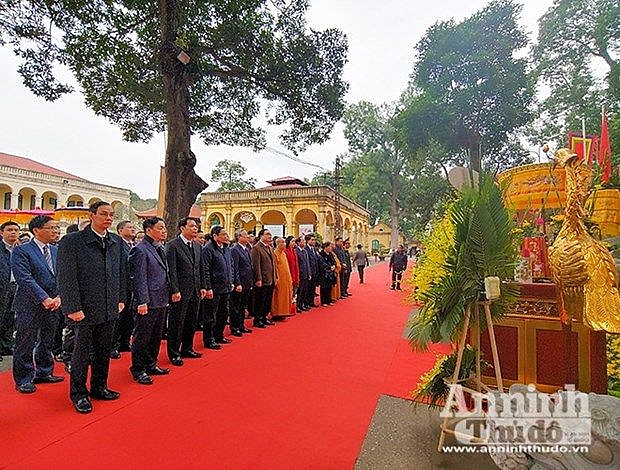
{"points": [[48, 257]]}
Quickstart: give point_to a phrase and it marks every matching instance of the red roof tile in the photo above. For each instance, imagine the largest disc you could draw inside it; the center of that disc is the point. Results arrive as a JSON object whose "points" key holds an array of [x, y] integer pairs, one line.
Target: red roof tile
{"points": [[23, 163], [288, 181]]}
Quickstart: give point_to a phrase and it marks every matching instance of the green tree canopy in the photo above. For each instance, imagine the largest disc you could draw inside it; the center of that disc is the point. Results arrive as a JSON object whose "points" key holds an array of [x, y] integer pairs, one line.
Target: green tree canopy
{"points": [[230, 175], [469, 87], [578, 60], [205, 67]]}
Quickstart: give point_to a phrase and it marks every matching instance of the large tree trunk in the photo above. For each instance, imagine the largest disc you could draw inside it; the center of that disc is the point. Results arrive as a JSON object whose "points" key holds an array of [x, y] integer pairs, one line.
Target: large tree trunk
{"points": [[182, 184], [394, 212], [475, 158]]}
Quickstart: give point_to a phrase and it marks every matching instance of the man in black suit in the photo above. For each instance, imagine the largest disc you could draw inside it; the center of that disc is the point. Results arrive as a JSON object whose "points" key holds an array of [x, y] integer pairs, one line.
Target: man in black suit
{"points": [[10, 239], [313, 261], [151, 284], [183, 255], [92, 283], [124, 325], [240, 296], [36, 306], [305, 276], [218, 279]]}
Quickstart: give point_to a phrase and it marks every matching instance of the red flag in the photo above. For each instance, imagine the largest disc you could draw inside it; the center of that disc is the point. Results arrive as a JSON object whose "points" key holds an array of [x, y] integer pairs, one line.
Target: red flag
{"points": [[604, 151]]}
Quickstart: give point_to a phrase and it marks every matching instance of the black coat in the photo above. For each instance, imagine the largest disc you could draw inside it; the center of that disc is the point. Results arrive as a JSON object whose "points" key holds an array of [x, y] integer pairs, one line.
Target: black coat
{"points": [[5, 275], [217, 269], [183, 267], [91, 276], [326, 276]]}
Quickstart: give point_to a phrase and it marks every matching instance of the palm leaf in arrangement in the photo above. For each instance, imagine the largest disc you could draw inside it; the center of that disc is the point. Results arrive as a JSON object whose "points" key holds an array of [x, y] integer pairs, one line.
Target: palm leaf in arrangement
{"points": [[483, 246]]}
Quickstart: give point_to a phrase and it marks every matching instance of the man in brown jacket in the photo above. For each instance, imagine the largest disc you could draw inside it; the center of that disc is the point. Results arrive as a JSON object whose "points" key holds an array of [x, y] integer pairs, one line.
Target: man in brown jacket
{"points": [[264, 278]]}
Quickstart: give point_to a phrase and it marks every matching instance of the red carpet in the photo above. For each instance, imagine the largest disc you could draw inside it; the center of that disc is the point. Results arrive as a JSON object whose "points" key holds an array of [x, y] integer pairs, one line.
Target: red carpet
{"points": [[301, 393]]}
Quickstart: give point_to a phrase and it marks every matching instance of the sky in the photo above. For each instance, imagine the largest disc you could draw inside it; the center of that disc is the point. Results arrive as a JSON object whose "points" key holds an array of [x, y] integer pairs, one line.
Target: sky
{"points": [[382, 34]]}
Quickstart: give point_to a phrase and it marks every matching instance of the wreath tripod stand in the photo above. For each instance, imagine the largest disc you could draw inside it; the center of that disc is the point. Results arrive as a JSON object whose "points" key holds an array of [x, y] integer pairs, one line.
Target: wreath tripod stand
{"points": [[446, 425]]}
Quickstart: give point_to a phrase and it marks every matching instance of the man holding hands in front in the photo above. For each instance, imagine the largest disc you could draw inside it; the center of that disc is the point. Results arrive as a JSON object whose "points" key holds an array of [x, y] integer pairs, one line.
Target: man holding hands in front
{"points": [[92, 283]]}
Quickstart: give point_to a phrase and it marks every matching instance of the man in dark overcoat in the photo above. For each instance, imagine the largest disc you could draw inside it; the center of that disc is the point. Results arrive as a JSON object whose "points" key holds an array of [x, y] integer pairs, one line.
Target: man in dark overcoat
{"points": [[93, 287]]}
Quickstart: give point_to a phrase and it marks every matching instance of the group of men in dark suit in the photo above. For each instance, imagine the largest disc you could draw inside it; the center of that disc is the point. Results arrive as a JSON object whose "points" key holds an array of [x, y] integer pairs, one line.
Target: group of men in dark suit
{"points": [[110, 289]]}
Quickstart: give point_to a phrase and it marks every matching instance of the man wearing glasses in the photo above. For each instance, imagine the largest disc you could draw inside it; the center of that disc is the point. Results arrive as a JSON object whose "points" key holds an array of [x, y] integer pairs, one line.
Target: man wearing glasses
{"points": [[36, 306], [92, 283]]}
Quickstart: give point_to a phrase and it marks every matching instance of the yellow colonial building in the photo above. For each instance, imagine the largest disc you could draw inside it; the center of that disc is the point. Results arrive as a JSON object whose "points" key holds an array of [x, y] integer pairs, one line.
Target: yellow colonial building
{"points": [[288, 206]]}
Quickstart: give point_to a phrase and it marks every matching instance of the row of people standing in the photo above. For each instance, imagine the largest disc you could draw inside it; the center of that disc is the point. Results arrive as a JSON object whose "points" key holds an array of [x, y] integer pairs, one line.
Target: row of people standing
{"points": [[99, 279]]}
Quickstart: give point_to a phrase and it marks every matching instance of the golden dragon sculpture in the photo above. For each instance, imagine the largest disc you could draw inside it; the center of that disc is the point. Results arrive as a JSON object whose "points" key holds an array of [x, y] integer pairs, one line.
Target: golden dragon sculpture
{"points": [[582, 267]]}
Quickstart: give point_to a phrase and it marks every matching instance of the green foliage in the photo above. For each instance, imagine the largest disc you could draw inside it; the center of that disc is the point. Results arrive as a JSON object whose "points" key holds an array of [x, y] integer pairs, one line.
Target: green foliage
{"points": [[577, 39], [243, 53], [230, 176], [469, 87], [483, 246], [432, 388], [141, 204]]}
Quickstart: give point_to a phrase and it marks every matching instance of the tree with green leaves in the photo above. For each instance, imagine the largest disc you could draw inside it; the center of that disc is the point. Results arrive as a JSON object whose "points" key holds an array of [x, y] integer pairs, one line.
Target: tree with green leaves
{"points": [[205, 67], [470, 89], [230, 175], [577, 59], [375, 143]]}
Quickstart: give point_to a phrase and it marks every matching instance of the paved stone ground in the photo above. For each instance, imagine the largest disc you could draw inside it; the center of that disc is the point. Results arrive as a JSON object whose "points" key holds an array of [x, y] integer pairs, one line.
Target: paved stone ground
{"points": [[401, 436], [7, 362]]}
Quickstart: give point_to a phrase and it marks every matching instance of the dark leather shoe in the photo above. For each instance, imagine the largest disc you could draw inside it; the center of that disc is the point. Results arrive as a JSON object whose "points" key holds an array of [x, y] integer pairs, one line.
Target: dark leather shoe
{"points": [[68, 367], [26, 388], [49, 379], [143, 379], [114, 354], [105, 394], [223, 341], [83, 405], [176, 361], [191, 354], [269, 322], [260, 325], [212, 345], [158, 371], [236, 333], [246, 330]]}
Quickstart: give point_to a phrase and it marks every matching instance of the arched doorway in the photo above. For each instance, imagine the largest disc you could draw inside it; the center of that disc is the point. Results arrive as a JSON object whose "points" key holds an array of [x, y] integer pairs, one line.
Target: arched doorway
{"points": [[5, 194], [75, 200], [275, 222], [49, 201], [245, 220], [306, 221]]}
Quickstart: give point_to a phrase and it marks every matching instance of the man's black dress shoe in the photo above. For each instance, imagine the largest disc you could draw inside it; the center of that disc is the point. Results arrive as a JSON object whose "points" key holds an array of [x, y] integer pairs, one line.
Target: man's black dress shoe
{"points": [[158, 371], [223, 341], [26, 388], [143, 379], [176, 361], [191, 354], [260, 325], [269, 322], [246, 330], [236, 333], [114, 354], [48, 379], [83, 405], [212, 345], [105, 394]]}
